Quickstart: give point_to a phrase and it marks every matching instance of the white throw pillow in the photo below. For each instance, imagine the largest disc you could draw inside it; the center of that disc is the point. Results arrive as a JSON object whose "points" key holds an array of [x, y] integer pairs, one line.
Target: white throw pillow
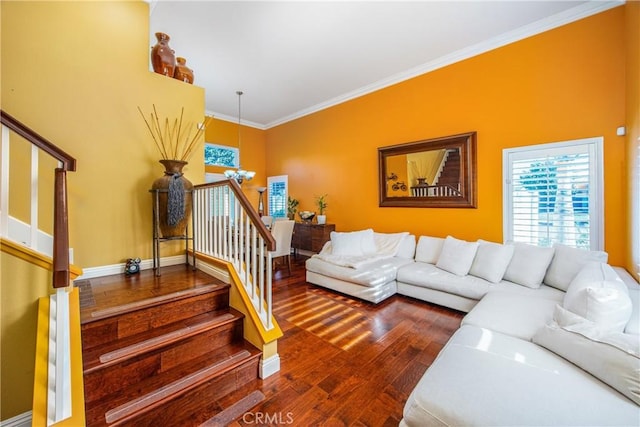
{"points": [[633, 326], [429, 249], [604, 302], [368, 242], [491, 261], [457, 256], [353, 243], [610, 357], [567, 262], [528, 265]]}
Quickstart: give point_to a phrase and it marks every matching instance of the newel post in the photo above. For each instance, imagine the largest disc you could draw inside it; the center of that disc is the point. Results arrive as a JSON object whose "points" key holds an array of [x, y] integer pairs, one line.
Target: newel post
{"points": [[61, 275]]}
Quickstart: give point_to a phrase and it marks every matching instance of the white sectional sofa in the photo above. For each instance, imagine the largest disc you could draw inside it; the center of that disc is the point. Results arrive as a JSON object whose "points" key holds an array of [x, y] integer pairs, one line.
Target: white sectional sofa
{"points": [[550, 337]]}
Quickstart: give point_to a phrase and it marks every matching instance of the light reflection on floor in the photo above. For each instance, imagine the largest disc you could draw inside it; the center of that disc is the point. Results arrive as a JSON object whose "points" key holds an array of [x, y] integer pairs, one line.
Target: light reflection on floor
{"points": [[333, 320]]}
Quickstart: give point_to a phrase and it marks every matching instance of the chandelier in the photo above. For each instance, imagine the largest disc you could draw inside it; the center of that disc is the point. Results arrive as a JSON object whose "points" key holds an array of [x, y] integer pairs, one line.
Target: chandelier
{"points": [[240, 174]]}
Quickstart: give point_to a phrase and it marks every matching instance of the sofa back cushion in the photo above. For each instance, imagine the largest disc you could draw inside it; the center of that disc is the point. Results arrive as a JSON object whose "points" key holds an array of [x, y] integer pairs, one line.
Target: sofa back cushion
{"points": [[353, 243], [429, 249], [528, 265], [567, 262], [599, 295], [491, 261], [457, 256], [407, 248]]}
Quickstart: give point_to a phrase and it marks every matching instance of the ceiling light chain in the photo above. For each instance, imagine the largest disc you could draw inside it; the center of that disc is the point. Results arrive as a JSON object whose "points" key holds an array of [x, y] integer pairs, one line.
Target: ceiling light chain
{"points": [[239, 175]]}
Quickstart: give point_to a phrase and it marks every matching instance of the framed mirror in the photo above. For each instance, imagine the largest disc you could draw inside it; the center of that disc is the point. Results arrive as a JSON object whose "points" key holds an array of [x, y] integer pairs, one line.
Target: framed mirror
{"points": [[434, 173]]}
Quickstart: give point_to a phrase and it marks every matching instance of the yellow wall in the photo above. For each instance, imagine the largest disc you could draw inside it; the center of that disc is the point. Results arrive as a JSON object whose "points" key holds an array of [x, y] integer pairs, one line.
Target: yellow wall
{"points": [[76, 72], [21, 284], [561, 85], [632, 26]]}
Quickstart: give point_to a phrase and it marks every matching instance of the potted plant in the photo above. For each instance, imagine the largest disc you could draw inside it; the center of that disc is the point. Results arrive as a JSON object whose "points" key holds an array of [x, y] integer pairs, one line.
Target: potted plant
{"points": [[292, 207], [321, 202]]}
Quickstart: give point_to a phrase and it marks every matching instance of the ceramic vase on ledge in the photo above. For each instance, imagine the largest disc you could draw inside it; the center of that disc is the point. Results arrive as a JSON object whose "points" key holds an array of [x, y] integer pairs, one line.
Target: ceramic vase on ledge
{"points": [[163, 58], [174, 199], [182, 72]]}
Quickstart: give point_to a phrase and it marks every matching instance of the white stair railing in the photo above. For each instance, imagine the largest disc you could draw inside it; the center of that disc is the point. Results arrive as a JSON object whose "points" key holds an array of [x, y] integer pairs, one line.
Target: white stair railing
{"points": [[227, 227]]}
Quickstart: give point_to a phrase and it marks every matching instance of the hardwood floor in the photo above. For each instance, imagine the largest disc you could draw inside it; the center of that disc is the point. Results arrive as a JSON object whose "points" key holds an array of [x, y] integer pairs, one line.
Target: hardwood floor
{"points": [[345, 362]]}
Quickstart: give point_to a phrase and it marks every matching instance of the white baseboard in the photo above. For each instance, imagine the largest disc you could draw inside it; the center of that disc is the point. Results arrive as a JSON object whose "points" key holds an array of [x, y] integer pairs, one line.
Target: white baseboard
{"points": [[21, 420], [107, 270], [269, 366], [217, 272]]}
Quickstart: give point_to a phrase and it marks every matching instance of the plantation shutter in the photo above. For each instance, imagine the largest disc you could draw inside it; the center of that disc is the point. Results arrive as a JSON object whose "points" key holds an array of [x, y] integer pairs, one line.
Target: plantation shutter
{"points": [[277, 195], [553, 194]]}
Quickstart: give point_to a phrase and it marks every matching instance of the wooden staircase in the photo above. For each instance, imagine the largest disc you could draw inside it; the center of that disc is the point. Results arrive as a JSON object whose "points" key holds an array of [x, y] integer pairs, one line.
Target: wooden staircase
{"points": [[164, 350], [450, 174]]}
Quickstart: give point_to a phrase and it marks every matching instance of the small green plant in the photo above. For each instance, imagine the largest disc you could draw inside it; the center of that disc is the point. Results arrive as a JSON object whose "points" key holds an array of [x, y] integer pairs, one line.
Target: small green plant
{"points": [[292, 207], [321, 202]]}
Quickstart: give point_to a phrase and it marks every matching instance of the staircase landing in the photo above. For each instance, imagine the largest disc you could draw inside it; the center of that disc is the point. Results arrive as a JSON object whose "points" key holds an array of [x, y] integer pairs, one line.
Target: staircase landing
{"points": [[108, 295], [160, 349]]}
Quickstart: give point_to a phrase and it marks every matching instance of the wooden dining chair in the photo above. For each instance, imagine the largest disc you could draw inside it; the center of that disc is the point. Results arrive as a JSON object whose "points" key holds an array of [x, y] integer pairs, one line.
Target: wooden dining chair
{"points": [[282, 232]]}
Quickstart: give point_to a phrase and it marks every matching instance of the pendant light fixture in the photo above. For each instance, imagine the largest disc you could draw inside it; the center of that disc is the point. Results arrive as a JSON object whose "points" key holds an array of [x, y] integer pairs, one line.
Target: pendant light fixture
{"points": [[239, 175]]}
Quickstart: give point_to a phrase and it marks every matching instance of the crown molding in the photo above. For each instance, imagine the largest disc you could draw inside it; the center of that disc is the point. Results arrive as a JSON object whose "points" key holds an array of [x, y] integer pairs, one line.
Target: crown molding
{"points": [[574, 14], [232, 119]]}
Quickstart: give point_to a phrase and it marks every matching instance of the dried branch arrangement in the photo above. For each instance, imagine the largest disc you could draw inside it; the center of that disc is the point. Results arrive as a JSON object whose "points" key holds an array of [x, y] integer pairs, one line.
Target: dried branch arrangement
{"points": [[171, 138]]}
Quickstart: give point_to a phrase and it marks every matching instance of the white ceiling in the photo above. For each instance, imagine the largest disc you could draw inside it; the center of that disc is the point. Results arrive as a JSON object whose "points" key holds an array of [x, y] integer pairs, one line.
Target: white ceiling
{"points": [[296, 57]]}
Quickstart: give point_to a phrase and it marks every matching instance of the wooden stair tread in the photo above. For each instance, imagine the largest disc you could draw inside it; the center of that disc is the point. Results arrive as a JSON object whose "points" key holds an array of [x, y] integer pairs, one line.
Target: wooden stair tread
{"points": [[230, 414], [151, 392], [107, 296], [178, 386], [122, 349]]}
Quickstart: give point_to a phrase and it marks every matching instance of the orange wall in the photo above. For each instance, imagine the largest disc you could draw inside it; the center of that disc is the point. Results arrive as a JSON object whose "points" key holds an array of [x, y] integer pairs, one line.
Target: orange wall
{"points": [[252, 152], [560, 85]]}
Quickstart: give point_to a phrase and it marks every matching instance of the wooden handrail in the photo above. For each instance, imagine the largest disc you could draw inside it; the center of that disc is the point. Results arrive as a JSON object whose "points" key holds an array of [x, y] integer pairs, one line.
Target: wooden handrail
{"points": [[251, 212], [68, 162], [61, 267]]}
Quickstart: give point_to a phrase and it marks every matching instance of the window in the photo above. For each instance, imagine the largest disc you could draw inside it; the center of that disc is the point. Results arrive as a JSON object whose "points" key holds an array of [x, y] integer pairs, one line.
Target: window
{"points": [[278, 192], [553, 194], [220, 155]]}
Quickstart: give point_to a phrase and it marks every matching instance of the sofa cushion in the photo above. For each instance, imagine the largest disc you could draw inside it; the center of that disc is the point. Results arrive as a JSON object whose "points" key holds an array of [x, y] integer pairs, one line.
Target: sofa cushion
{"points": [[428, 249], [543, 291], [528, 265], [491, 261], [457, 256], [511, 314], [485, 378], [407, 247], [633, 326], [429, 276], [612, 357], [567, 262], [374, 273], [597, 294], [395, 244], [353, 243]]}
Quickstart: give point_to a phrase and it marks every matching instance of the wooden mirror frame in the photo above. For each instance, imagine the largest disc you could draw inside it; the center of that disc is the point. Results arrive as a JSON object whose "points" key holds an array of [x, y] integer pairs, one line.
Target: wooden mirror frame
{"points": [[467, 197]]}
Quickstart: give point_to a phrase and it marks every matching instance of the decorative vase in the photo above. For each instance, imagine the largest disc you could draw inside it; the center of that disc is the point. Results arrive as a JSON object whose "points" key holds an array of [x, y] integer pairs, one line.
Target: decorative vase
{"points": [[322, 219], [174, 199], [163, 58], [421, 182], [182, 72]]}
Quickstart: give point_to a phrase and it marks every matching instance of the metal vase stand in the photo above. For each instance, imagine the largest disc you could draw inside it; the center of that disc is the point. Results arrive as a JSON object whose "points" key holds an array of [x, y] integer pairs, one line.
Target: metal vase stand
{"points": [[156, 232]]}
